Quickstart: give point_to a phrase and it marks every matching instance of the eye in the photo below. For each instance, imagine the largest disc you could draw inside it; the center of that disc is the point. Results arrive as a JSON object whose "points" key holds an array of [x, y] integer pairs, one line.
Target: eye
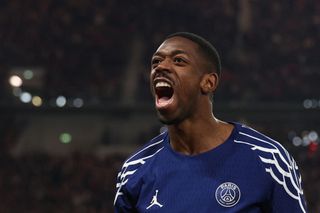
{"points": [[155, 61], [179, 60]]}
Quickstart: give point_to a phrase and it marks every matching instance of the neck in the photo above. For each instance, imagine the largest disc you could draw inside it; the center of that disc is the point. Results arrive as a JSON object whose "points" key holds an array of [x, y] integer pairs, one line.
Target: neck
{"points": [[198, 135]]}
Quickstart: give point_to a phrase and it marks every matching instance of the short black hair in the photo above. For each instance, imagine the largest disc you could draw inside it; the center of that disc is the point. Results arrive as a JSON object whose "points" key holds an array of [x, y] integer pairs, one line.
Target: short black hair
{"points": [[206, 48]]}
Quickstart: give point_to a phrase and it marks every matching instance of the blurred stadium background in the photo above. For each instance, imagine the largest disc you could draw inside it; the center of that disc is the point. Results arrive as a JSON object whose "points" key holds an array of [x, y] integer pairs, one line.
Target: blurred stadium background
{"points": [[75, 98]]}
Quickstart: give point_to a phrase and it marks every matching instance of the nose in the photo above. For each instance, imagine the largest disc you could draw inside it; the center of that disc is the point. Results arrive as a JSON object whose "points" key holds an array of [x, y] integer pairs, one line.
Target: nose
{"points": [[163, 66]]}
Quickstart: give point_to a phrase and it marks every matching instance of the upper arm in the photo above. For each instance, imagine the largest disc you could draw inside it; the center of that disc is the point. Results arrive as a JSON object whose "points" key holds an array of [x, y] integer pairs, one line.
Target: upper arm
{"points": [[122, 202], [287, 192]]}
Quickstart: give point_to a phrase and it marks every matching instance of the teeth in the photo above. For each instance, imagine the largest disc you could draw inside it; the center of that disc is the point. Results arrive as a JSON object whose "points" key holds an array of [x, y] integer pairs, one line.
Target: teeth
{"points": [[162, 84]]}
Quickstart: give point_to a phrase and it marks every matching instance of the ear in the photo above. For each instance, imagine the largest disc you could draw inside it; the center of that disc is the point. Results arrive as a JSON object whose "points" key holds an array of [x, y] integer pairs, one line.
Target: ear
{"points": [[209, 83]]}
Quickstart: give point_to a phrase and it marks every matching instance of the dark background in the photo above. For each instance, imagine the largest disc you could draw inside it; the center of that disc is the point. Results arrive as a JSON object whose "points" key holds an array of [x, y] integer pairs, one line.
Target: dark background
{"points": [[84, 103]]}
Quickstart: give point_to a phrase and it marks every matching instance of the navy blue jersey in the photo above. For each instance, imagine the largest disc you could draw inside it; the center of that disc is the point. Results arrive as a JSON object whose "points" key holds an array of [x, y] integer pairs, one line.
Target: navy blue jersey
{"points": [[249, 172]]}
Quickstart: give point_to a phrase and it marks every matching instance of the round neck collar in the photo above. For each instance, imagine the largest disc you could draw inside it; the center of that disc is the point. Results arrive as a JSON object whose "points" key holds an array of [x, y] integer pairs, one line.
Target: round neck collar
{"points": [[214, 151]]}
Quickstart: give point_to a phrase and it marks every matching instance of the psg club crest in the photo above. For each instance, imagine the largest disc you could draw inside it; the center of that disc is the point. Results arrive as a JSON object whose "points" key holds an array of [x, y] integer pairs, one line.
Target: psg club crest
{"points": [[228, 194]]}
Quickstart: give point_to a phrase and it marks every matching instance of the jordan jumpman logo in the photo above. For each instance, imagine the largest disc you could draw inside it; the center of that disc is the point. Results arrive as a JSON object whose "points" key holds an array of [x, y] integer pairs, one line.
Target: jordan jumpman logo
{"points": [[154, 201]]}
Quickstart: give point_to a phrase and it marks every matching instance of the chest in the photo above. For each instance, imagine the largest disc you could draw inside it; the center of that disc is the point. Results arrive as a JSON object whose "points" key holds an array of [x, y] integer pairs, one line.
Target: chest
{"points": [[202, 187]]}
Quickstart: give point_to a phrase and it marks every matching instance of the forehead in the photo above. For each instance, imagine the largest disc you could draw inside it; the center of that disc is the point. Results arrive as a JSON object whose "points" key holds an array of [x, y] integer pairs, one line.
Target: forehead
{"points": [[178, 45]]}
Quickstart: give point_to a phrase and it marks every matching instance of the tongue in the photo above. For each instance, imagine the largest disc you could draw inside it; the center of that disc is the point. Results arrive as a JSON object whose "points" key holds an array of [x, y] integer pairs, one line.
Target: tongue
{"points": [[163, 102]]}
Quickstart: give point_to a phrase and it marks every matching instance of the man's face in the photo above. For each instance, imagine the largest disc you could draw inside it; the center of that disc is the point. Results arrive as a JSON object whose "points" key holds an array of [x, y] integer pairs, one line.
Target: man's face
{"points": [[175, 79]]}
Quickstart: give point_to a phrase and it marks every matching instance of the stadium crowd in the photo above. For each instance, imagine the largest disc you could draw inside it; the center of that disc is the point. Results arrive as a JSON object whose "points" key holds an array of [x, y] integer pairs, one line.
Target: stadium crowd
{"points": [[40, 183], [269, 52]]}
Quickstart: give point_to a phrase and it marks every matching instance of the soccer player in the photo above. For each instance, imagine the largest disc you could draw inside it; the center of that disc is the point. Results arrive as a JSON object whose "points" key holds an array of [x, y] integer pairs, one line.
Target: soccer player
{"points": [[202, 164]]}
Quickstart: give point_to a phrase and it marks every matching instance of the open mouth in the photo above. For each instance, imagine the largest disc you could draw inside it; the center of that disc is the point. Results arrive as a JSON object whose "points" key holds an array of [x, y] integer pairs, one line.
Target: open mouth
{"points": [[164, 93]]}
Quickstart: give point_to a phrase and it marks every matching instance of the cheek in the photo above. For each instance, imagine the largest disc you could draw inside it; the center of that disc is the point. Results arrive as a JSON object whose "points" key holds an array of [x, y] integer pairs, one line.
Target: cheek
{"points": [[190, 83], [150, 81], [150, 76]]}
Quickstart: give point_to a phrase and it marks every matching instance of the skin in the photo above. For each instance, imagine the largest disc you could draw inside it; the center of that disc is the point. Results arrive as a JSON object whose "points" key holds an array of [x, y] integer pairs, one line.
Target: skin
{"points": [[192, 127]]}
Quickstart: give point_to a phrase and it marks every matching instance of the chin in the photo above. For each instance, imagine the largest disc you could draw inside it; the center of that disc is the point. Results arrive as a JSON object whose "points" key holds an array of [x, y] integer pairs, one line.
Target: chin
{"points": [[168, 121]]}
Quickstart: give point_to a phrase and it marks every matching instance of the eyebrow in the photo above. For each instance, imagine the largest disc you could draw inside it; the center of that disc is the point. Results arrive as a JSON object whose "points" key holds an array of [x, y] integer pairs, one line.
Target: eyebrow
{"points": [[174, 52]]}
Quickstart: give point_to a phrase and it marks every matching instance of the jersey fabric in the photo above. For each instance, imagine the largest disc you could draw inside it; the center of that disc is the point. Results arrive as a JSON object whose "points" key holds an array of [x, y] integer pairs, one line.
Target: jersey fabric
{"points": [[249, 173]]}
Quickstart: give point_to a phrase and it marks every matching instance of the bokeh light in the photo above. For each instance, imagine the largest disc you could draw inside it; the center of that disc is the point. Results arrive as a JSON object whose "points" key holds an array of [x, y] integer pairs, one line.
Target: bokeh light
{"points": [[15, 81], [61, 101], [37, 101], [65, 138], [25, 97]]}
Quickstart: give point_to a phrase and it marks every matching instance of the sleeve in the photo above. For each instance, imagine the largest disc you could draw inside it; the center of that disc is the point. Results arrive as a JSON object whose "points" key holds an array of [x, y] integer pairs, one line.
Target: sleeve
{"points": [[287, 193], [122, 205], [122, 202]]}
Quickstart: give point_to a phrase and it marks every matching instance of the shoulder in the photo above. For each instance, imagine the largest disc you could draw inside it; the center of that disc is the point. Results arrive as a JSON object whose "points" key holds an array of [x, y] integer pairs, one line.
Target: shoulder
{"points": [[274, 159], [150, 149], [269, 151], [259, 142], [136, 164], [269, 155], [144, 154]]}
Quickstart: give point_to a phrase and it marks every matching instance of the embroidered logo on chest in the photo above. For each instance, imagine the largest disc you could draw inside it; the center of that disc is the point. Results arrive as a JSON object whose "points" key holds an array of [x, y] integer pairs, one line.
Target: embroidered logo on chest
{"points": [[228, 194], [154, 201]]}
